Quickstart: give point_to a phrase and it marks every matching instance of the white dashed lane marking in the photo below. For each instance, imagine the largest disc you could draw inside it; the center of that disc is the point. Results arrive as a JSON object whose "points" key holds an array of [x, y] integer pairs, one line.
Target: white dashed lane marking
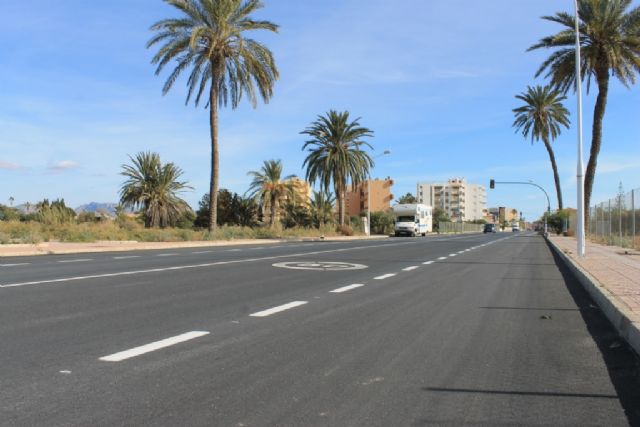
{"points": [[427, 262], [442, 258], [171, 254], [413, 267], [76, 260], [278, 309], [126, 257], [15, 265], [137, 351], [385, 276], [346, 288]]}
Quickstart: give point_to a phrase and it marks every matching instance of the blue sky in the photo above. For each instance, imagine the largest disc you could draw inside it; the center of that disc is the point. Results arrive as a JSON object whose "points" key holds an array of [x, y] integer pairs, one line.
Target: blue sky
{"points": [[434, 79]]}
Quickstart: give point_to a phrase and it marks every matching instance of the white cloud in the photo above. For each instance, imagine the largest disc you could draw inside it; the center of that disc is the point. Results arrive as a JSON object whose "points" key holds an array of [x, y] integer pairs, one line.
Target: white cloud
{"points": [[62, 166], [9, 166]]}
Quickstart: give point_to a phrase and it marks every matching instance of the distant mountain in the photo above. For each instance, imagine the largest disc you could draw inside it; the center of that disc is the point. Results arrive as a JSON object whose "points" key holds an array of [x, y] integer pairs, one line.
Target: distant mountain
{"points": [[98, 207]]}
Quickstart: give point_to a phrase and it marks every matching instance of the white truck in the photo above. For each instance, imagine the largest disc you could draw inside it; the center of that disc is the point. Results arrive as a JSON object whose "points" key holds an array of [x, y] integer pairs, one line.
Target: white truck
{"points": [[413, 219]]}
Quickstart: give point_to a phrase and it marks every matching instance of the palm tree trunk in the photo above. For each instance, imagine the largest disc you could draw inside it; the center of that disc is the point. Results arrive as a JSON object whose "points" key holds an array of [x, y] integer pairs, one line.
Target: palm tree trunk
{"points": [[339, 194], [554, 166], [272, 221], [215, 165], [596, 139]]}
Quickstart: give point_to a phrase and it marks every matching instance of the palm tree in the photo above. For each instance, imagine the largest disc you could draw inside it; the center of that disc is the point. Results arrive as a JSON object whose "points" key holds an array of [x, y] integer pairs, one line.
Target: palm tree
{"points": [[335, 154], [269, 187], [542, 116], [610, 44], [209, 38], [154, 187], [322, 207]]}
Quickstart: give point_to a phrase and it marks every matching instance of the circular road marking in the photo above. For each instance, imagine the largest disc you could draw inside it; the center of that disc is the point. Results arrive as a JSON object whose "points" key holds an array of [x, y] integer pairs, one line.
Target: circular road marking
{"points": [[320, 265]]}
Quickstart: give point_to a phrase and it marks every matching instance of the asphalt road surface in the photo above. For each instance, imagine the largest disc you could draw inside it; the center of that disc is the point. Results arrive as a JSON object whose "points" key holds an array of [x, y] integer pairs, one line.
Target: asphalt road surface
{"points": [[443, 330]]}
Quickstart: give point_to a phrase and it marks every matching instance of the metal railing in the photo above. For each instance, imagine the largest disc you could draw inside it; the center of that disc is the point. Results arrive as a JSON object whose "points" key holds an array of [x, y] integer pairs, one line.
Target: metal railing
{"points": [[615, 222], [460, 227]]}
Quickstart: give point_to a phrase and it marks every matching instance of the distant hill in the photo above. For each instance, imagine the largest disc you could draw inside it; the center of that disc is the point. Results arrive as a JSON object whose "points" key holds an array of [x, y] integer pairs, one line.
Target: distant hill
{"points": [[98, 207]]}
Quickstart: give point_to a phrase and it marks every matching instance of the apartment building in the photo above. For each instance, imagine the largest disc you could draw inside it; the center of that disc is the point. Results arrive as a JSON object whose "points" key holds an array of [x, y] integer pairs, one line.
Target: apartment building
{"points": [[302, 195], [458, 198], [358, 199], [502, 214]]}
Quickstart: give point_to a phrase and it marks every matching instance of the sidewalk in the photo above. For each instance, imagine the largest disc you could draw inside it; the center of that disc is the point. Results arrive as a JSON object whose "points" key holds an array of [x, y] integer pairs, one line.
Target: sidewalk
{"points": [[59, 248], [612, 276]]}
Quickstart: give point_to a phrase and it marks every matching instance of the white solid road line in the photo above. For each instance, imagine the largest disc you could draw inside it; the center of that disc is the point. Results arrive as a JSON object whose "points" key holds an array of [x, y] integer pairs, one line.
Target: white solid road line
{"points": [[278, 309], [15, 265], [385, 276], [413, 267], [427, 262], [346, 288], [126, 257], [137, 351], [76, 260], [190, 266]]}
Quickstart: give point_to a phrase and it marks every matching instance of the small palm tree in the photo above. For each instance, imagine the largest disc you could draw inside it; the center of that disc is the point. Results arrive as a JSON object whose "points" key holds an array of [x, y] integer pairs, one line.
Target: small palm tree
{"points": [[269, 187], [154, 187], [210, 39], [610, 45], [542, 116], [322, 207], [336, 155]]}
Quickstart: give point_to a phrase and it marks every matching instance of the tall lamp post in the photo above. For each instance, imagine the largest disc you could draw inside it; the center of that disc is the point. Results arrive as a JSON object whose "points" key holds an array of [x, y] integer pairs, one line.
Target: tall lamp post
{"points": [[369, 194], [580, 174]]}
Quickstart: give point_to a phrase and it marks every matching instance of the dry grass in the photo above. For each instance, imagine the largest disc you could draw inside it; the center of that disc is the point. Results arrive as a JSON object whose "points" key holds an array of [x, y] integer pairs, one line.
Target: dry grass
{"points": [[35, 232]]}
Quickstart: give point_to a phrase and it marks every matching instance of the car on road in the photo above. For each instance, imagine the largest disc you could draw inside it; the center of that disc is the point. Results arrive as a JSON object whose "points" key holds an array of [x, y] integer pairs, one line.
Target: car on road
{"points": [[515, 227], [490, 228]]}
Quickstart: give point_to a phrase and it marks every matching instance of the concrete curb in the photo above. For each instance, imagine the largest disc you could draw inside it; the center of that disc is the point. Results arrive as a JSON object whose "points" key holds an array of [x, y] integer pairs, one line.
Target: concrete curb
{"points": [[21, 250], [617, 314]]}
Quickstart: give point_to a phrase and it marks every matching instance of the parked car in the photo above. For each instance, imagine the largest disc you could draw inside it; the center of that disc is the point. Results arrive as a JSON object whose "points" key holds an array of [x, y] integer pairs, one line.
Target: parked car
{"points": [[489, 228]]}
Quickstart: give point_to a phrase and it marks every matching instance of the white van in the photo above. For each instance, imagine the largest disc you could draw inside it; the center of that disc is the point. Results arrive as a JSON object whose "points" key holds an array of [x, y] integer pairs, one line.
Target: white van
{"points": [[413, 219]]}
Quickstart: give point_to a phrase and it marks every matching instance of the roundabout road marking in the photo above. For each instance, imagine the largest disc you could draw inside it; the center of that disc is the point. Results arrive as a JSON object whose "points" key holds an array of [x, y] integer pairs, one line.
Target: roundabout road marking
{"points": [[320, 265]]}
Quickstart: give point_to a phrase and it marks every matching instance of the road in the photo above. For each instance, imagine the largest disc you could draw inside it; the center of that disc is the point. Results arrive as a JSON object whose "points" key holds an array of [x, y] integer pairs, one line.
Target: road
{"points": [[444, 330]]}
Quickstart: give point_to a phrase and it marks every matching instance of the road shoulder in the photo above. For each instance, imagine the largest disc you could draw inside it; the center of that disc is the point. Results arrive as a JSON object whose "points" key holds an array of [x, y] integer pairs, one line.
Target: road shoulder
{"points": [[612, 280]]}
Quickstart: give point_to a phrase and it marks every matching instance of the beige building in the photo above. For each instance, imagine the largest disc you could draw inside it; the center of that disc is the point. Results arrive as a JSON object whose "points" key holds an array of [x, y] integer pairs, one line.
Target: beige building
{"points": [[302, 195], [358, 199], [459, 199], [502, 214]]}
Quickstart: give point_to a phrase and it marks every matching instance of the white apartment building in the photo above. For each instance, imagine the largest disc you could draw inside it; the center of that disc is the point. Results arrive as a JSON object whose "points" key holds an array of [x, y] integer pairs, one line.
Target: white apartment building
{"points": [[456, 197]]}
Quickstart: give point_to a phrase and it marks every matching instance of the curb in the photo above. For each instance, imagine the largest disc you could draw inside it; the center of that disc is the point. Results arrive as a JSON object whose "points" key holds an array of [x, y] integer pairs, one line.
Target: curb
{"points": [[616, 314], [28, 250]]}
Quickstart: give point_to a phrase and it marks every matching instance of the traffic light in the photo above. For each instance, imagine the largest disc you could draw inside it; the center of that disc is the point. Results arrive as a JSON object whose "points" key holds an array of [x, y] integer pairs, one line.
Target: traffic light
{"points": [[492, 184]]}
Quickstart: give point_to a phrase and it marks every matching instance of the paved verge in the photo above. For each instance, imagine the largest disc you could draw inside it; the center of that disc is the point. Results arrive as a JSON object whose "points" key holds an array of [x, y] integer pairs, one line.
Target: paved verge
{"points": [[612, 278]]}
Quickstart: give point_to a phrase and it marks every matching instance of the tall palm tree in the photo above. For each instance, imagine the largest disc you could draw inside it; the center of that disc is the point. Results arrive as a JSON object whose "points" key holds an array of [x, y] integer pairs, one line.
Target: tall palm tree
{"points": [[210, 39], [270, 188], [336, 155], [610, 44], [322, 207], [542, 117], [154, 187]]}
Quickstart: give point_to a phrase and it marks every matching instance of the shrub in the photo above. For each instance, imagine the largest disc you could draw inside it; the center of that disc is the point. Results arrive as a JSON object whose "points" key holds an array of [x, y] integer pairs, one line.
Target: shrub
{"points": [[345, 230]]}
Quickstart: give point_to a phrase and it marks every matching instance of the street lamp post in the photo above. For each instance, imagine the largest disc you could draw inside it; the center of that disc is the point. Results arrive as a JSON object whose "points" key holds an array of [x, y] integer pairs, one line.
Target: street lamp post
{"points": [[369, 194], [580, 173]]}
